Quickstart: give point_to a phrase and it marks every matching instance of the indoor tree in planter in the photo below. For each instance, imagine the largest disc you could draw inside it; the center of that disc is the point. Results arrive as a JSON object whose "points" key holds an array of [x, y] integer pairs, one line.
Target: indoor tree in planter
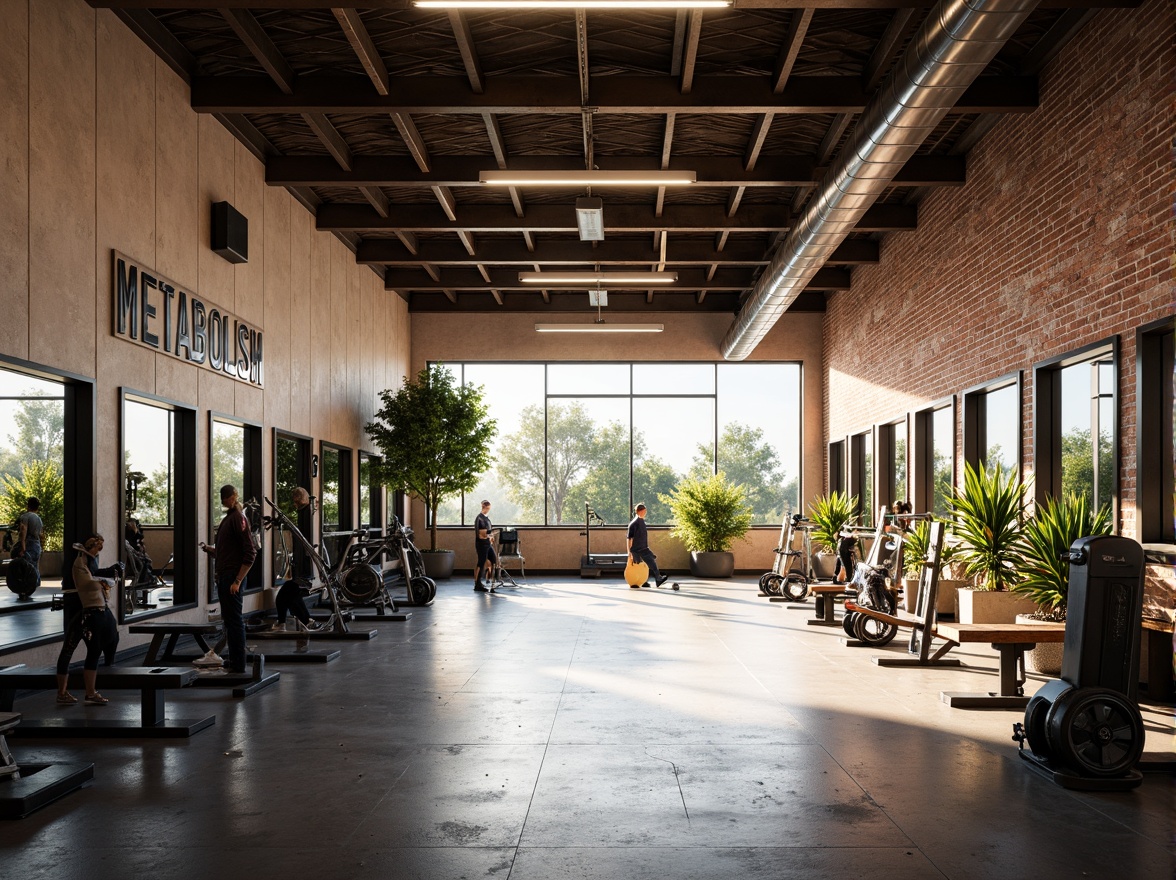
{"points": [[914, 555], [709, 515], [434, 436], [987, 513], [829, 514]]}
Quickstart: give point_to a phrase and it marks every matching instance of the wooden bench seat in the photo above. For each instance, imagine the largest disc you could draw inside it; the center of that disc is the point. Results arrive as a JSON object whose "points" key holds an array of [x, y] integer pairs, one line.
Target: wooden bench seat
{"points": [[823, 597], [1010, 640], [151, 682]]}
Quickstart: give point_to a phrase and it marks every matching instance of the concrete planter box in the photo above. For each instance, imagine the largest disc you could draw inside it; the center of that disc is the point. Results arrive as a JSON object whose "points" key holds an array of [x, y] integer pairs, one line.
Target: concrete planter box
{"points": [[985, 606], [438, 563], [712, 565], [823, 564], [1045, 658], [947, 595]]}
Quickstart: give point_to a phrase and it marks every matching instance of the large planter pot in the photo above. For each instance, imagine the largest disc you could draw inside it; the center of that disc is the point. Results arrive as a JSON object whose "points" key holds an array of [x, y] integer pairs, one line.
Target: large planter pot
{"points": [[823, 565], [438, 563], [1044, 658], [986, 606], [712, 565], [946, 603]]}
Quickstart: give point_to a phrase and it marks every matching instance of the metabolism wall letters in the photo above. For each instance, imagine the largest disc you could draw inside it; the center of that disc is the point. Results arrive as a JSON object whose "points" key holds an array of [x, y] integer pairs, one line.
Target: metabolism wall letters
{"points": [[156, 312]]}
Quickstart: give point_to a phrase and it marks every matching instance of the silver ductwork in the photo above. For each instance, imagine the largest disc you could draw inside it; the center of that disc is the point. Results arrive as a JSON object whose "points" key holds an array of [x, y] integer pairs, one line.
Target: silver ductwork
{"points": [[951, 49]]}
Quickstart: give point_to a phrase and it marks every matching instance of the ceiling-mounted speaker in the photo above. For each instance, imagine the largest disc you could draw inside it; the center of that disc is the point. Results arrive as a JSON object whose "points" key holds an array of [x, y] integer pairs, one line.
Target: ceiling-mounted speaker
{"points": [[230, 233]]}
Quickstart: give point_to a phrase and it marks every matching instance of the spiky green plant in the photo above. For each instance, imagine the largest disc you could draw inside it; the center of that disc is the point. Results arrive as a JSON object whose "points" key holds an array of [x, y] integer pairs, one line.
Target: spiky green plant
{"points": [[914, 550], [829, 515], [1055, 525], [987, 512], [710, 513]]}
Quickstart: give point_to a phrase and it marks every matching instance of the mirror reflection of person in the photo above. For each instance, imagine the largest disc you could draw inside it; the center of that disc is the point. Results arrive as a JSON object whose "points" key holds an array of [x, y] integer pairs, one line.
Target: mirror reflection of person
{"points": [[234, 552], [487, 557], [29, 532]]}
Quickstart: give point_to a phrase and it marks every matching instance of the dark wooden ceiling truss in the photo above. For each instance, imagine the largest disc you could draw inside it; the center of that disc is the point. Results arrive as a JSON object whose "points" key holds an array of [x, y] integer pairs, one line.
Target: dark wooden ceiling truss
{"points": [[380, 120]]}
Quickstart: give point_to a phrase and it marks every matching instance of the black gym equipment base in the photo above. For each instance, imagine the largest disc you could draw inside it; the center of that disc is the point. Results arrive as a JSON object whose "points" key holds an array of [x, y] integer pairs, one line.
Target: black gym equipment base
{"points": [[328, 656], [603, 563], [242, 683], [319, 635], [99, 728], [39, 785], [383, 616], [1068, 779]]}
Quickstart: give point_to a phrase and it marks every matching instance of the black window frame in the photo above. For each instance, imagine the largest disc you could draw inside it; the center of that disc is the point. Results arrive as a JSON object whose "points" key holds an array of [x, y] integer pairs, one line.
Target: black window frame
{"points": [[921, 473], [975, 420], [1155, 374], [305, 462]]}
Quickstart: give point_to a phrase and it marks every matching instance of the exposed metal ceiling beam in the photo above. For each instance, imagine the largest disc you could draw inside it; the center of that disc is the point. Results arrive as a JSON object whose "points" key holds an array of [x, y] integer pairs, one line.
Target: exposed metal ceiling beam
{"points": [[468, 278], [678, 252], [257, 41], [713, 171], [618, 218], [543, 95], [571, 304]]}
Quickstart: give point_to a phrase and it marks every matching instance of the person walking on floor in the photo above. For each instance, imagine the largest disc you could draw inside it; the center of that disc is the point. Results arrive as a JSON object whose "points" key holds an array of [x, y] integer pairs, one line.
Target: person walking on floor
{"points": [[638, 544], [486, 555], [234, 553]]}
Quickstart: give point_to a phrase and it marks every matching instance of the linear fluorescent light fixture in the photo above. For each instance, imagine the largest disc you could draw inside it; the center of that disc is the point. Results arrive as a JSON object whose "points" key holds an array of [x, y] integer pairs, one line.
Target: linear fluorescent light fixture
{"points": [[590, 219], [600, 327], [572, 4], [596, 177], [564, 279]]}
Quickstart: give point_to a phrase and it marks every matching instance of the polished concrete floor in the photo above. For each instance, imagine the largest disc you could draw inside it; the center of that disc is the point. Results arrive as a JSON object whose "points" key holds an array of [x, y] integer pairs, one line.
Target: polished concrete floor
{"points": [[579, 729]]}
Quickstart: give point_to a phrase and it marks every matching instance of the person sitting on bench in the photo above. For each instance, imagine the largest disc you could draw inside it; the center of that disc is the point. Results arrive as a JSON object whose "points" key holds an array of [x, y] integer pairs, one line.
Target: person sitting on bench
{"points": [[289, 598], [93, 624]]}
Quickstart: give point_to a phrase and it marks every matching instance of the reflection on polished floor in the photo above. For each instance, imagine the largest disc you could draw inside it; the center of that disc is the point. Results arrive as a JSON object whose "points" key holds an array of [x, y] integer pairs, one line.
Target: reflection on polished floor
{"points": [[581, 729]]}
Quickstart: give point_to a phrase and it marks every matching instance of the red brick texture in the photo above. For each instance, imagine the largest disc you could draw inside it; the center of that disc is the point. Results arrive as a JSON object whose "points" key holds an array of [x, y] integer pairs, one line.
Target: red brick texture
{"points": [[1063, 236]]}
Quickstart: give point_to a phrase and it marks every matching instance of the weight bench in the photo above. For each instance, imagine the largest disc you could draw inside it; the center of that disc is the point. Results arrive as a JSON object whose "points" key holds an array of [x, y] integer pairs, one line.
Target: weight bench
{"points": [[28, 787], [1011, 640], [150, 682], [172, 633]]}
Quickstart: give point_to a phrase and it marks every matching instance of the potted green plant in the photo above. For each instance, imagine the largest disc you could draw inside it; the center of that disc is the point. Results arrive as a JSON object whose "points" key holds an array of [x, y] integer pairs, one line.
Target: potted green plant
{"points": [[829, 514], [434, 436], [1045, 572], [41, 480], [710, 514], [987, 513]]}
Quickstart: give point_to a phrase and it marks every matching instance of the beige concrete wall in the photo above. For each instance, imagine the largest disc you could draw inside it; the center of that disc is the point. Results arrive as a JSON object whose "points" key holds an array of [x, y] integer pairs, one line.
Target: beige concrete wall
{"points": [[687, 337], [102, 151]]}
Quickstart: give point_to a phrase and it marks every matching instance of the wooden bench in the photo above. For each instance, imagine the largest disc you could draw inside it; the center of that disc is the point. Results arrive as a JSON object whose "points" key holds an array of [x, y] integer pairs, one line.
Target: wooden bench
{"points": [[823, 596], [151, 682], [1010, 640], [28, 787]]}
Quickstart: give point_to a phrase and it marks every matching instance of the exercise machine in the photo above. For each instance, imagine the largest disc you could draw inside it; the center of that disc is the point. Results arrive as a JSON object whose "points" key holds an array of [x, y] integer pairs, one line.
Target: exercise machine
{"points": [[792, 569], [365, 581], [1084, 730], [507, 541], [596, 564]]}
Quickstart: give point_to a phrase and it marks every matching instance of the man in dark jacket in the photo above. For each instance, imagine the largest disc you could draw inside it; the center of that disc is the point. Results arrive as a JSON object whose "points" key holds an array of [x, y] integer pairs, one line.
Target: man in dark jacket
{"points": [[234, 552], [638, 541]]}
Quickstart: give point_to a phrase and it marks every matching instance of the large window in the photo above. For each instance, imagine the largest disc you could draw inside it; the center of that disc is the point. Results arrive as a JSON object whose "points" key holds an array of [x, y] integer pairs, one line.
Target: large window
{"points": [[1155, 460], [892, 462], [1076, 428], [292, 469], [32, 452], [158, 500], [335, 489], [572, 435], [235, 460], [371, 493], [992, 425], [933, 458], [861, 475]]}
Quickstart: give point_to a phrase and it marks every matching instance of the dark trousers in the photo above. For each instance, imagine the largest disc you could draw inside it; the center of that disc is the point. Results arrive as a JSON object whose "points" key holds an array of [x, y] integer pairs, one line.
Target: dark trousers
{"points": [[649, 559], [32, 552], [234, 621], [94, 626], [289, 601]]}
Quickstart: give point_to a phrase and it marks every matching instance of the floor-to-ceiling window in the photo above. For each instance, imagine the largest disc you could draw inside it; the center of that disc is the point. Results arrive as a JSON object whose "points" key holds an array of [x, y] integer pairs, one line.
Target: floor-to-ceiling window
{"points": [[235, 460], [992, 425], [605, 436]]}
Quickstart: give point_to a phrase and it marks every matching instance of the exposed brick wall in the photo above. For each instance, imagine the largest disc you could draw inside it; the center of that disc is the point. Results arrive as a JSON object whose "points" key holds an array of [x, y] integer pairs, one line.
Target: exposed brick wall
{"points": [[1063, 236]]}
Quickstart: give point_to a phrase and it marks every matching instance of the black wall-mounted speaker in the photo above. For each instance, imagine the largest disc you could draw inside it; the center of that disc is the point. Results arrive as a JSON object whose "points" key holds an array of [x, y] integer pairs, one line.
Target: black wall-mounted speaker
{"points": [[230, 233]]}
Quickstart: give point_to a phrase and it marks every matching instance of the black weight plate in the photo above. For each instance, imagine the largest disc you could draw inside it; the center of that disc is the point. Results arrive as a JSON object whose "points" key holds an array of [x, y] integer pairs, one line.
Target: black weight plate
{"points": [[872, 631], [795, 587], [1096, 731]]}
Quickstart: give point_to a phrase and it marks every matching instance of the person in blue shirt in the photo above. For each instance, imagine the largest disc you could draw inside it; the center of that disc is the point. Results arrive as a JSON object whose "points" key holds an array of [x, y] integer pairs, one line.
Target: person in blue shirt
{"points": [[638, 544]]}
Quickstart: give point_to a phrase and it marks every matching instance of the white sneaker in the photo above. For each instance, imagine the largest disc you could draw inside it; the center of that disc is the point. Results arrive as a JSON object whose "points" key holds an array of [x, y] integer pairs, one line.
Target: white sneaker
{"points": [[212, 658]]}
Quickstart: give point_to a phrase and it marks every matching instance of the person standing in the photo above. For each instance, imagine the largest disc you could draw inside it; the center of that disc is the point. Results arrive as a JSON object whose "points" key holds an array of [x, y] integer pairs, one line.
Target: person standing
{"points": [[486, 555], [234, 553], [92, 623], [289, 598], [29, 534], [638, 544]]}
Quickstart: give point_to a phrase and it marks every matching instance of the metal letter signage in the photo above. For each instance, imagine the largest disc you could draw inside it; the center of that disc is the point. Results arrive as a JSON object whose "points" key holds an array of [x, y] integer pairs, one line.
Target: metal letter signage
{"points": [[156, 312]]}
